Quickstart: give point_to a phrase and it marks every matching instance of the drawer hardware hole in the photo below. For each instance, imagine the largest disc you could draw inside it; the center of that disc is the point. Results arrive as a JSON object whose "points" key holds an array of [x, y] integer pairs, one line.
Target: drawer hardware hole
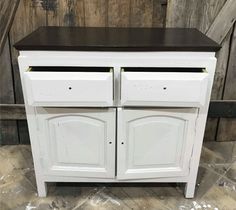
{"points": [[122, 142], [110, 142], [164, 88], [70, 88]]}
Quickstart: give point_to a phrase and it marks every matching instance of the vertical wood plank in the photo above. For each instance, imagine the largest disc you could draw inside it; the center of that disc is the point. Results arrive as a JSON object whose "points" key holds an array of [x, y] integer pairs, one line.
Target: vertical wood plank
{"points": [[191, 13], [118, 13], [30, 15], [223, 22], [95, 12], [66, 13], [211, 129], [7, 12], [217, 89], [222, 63], [8, 129], [159, 13], [226, 129], [141, 13]]}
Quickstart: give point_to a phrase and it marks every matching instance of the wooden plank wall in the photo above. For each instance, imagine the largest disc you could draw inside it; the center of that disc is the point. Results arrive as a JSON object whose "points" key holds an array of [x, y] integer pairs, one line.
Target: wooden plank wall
{"points": [[201, 14]]}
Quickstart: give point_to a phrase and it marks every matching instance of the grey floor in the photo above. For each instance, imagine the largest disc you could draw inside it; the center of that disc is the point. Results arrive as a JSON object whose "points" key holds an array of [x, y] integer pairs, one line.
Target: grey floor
{"points": [[216, 186]]}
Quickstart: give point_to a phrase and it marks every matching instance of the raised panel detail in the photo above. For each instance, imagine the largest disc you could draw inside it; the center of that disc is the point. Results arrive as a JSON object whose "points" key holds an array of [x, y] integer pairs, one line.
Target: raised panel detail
{"points": [[77, 142], [155, 143]]}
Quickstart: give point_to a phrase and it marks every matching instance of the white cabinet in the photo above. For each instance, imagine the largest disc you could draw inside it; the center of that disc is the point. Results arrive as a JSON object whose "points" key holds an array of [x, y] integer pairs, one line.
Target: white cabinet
{"points": [[154, 142], [142, 125], [77, 142]]}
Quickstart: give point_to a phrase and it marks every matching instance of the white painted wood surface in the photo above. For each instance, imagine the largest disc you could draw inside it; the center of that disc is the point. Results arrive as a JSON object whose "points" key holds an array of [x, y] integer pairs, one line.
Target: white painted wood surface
{"points": [[69, 119], [69, 88], [154, 142], [163, 89], [77, 142]]}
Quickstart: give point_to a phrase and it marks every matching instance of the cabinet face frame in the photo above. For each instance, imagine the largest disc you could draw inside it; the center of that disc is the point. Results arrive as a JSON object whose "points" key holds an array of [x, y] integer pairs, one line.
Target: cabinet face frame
{"points": [[66, 148], [131, 126]]}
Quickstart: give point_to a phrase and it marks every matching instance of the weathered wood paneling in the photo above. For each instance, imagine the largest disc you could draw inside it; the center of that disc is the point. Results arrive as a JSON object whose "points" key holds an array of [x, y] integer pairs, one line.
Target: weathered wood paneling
{"points": [[66, 13], [159, 13], [222, 63], [226, 128], [191, 13], [8, 129], [218, 85], [118, 13], [12, 112], [95, 12], [141, 13], [223, 22], [7, 12]]}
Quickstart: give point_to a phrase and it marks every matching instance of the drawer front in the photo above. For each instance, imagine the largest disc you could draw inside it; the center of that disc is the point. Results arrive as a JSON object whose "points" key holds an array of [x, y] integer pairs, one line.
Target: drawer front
{"points": [[69, 88], [163, 89]]}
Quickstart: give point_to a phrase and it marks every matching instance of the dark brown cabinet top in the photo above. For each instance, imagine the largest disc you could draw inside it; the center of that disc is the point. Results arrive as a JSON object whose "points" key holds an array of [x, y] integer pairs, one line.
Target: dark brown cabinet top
{"points": [[117, 39]]}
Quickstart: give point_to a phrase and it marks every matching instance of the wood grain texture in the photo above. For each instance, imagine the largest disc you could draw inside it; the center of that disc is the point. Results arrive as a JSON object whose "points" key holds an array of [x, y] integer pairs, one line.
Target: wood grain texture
{"points": [[95, 12], [118, 13], [12, 112], [226, 128], [8, 129], [23, 131], [7, 12], [191, 13], [159, 13], [223, 22], [211, 129], [218, 85], [66, 13], [140, 13], [221, 67]]}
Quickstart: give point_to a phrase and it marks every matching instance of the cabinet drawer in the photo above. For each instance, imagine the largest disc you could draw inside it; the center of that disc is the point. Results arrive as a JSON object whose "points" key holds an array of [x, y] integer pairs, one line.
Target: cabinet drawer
{"points": [[69, 86], [186, 87]]}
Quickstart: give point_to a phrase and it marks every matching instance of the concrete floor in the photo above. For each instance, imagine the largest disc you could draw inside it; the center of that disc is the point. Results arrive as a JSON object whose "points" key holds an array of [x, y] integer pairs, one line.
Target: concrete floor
{"points": [[216, 186]]}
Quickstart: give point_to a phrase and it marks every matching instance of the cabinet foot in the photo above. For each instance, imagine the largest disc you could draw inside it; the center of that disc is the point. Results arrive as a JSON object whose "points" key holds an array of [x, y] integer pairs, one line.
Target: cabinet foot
{"points": [[189, 190], [42, 189]]}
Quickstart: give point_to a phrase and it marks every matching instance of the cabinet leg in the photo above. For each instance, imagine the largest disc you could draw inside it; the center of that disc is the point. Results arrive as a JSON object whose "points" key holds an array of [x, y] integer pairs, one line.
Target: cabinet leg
{"points": [[42, 188], [189, 189]]}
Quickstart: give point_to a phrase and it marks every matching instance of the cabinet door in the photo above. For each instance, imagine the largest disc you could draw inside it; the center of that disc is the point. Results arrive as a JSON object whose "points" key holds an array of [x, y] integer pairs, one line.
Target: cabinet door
{"points": [[77, 142], [155, 143]]}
